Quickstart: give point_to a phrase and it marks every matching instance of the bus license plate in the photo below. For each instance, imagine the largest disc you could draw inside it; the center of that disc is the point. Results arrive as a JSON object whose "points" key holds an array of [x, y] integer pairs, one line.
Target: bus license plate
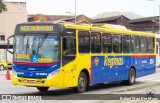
{"points": [[31, 81]]}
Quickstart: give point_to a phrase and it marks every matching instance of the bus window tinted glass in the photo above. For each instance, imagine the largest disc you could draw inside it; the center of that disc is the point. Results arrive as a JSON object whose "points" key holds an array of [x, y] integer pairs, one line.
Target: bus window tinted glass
{"points": [[117, 43], [126, 44], [143, 42], [151, 45], [95, 42], [135, 44], [107, 43], [84, 42], [69, 46]]}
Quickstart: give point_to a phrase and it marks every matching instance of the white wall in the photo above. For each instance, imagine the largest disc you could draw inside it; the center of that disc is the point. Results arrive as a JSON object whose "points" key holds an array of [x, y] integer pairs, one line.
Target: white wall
{"points": [[16, 13]]}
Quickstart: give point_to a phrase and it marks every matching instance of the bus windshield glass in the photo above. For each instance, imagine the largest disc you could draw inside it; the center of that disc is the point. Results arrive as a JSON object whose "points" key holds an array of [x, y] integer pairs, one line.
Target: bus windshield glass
{"points": [[42, 48]]}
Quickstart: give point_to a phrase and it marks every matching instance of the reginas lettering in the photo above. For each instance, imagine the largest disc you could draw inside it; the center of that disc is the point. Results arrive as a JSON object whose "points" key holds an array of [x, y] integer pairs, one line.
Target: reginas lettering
{"points": [[112, 61]]}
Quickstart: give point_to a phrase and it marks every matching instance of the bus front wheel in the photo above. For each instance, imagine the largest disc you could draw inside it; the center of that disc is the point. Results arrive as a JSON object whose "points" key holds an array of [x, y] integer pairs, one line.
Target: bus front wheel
{"points": [[43, 89], [82, 83]]}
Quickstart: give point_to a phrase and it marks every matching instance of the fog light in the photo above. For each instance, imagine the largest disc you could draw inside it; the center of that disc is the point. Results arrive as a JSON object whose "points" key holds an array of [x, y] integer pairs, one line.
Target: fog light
{"points": [[19, 80], [43, 81]]}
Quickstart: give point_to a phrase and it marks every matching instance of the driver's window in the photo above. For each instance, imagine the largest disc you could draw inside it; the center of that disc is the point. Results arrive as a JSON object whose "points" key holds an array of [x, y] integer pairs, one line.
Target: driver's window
{"points": [[68, 46]]}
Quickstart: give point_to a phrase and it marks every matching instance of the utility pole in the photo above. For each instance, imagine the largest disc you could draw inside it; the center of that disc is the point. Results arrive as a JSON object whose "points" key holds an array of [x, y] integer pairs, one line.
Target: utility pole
{"points": [[159, 18], [75, 12]]}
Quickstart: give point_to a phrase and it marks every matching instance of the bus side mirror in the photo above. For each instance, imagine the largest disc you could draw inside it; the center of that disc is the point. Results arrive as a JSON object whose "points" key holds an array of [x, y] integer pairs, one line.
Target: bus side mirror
{"points": [[9, 46]]}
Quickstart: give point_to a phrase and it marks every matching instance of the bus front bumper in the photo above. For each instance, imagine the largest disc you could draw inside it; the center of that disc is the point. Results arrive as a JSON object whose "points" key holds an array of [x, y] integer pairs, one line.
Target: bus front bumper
{"points": [[56, 81]]}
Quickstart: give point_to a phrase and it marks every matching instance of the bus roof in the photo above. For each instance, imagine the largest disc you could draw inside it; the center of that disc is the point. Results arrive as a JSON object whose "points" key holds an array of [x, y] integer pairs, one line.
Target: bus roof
{"points": [[60, 25], [108, 28]]}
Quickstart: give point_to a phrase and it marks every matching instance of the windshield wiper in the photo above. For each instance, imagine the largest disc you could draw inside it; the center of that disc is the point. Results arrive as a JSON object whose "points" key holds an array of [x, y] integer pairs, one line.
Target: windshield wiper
{"points": [[27, 46], [14, 50], [41, 42]]}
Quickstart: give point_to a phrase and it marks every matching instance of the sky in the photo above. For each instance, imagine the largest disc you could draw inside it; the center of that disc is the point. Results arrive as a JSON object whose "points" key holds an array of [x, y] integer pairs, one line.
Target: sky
{"points": [[91, 8]]}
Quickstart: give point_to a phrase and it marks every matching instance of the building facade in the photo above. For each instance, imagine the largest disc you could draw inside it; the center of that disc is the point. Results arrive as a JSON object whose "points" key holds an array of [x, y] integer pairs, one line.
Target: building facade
{"points": [[16, 13], [130, 20], [41, 17], [79, 19], [67, 18], [119, 20], [147, 24]]}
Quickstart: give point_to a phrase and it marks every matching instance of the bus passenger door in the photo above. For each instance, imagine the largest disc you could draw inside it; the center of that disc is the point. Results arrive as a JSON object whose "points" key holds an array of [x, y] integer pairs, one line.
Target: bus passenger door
{"points": [[68, 56]]}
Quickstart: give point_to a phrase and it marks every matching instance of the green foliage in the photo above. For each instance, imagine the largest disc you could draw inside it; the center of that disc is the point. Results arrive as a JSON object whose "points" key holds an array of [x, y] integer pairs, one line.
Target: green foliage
{"points": [[2, 6]]}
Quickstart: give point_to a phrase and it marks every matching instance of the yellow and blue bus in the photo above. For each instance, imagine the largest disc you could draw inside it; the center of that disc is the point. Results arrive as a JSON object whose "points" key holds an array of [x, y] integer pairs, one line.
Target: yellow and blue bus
{"points": [[67, 55]]}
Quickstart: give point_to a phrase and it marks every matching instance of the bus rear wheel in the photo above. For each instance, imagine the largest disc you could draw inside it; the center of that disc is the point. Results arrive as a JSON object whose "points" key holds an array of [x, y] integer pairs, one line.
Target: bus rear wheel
{"points": [[43, 89], [82, 83], [131, 77]]}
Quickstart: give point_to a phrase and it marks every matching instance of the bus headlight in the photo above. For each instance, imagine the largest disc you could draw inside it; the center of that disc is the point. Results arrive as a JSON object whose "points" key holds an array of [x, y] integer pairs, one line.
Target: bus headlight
{"points": [[52, 74], [14, 72]]}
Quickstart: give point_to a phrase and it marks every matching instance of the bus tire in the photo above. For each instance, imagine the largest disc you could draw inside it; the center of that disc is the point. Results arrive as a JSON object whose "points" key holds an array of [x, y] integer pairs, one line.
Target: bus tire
{"points": [[82, 83], [131, 77], [43, 89]]}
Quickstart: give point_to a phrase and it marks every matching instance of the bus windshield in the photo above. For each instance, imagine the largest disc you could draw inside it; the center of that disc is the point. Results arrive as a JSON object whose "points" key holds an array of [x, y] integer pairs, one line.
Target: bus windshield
{"points": [[42, 48]]}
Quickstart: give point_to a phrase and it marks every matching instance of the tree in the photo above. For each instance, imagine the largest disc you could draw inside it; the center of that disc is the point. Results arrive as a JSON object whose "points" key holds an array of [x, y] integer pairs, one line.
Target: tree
{"points": [[2, 6]]}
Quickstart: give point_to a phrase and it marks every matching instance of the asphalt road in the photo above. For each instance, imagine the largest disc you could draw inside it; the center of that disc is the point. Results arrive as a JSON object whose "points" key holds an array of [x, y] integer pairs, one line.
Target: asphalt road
{"points": [[96, 91]]}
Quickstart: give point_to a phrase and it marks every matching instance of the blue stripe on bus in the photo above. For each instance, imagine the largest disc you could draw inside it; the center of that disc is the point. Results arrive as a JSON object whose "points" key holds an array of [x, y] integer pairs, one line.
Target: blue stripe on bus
{"points": [[34, 71], [116, 68]]}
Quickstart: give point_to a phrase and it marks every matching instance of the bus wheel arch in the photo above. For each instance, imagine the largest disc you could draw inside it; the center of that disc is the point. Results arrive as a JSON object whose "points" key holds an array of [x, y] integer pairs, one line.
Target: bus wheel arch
{"points": [[83, 78], [88, 76]]}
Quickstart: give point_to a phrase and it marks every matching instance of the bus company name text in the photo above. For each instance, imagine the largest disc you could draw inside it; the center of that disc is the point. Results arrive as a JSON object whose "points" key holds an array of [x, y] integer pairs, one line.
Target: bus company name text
{"points": [[113, 62]]}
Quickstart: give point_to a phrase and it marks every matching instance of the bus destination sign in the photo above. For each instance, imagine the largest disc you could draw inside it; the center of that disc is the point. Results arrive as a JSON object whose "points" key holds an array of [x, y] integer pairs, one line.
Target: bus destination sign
{"points": [[36, 28]]}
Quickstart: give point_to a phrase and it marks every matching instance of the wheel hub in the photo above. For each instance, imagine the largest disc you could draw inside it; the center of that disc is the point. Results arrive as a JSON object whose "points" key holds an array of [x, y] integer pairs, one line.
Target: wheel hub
{"points": [[132, 77], [81, 82]]}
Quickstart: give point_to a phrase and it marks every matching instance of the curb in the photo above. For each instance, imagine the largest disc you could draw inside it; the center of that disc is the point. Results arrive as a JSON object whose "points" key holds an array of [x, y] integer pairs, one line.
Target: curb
{"points": [[142, 86]]}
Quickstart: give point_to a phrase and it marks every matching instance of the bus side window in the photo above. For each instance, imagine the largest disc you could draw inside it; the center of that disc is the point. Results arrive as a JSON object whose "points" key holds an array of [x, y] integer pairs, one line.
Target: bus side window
{"points": [[143, 46], [84, 41], [126, 44], [151, 45], [95, 42], [107, 43], [135, 44], [156, 48], [69, 47], [117, 43]]}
